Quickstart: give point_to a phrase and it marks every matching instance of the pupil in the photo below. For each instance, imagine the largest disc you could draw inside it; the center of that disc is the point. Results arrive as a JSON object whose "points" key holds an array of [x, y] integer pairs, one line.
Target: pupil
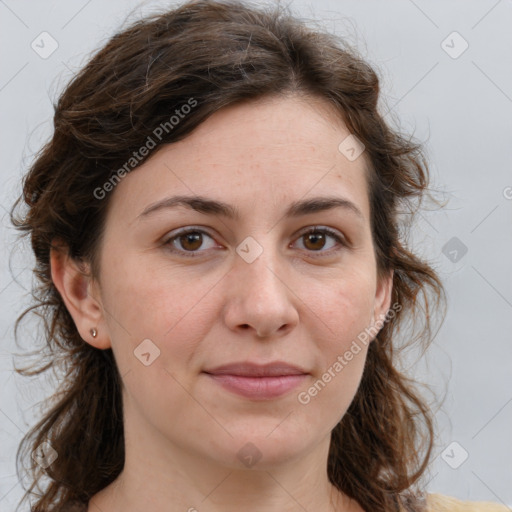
{"points": [[314, 237], [190, 238]]}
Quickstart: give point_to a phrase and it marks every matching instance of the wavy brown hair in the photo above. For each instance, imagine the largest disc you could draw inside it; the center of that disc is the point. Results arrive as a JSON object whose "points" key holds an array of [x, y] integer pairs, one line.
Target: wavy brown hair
{"points": [[219, 53]]}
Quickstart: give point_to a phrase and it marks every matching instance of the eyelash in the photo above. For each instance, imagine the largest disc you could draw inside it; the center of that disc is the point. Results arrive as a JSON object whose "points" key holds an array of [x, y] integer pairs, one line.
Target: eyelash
{"points": [[194, 254]]}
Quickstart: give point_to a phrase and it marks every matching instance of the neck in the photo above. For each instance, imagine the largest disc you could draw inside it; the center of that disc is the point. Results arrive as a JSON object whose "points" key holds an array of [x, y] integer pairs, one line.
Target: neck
{"points": [[150, 482], [160, 475]]}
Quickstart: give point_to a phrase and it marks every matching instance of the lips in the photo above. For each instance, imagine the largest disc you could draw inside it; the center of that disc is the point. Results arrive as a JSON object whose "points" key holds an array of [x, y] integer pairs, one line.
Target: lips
{"points": [[258, 381], [249, 369]]}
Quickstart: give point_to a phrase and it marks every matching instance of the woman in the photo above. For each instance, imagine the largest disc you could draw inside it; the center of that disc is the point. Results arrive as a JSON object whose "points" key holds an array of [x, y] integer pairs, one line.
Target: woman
{"points": [[217, 234]]}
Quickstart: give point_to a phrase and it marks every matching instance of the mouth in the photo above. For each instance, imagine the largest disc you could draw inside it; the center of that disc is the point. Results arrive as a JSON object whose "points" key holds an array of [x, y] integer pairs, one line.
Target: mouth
{"points": [[258, 382], [263, 388]]}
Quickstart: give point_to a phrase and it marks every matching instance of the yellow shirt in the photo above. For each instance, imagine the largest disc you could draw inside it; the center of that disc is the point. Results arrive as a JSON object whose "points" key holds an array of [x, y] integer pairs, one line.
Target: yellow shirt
{"points": [[443, 503]]}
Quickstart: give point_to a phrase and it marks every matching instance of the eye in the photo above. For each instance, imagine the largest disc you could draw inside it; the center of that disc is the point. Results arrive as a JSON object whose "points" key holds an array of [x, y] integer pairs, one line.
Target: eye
{"points": [[315, 240], [190, 240]]}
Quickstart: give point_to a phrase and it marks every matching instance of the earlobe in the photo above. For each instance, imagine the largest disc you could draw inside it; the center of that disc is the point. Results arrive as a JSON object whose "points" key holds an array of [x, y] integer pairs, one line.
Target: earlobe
{"points": [[74, 283]]}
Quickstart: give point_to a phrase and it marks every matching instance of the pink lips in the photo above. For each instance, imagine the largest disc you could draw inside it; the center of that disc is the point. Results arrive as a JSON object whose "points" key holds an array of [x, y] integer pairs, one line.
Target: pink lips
{"points": [[255, 381]]}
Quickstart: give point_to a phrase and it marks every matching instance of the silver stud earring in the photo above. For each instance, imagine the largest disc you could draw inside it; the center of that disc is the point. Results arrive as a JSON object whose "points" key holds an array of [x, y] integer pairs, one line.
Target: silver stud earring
{"points": [[94, 332]]}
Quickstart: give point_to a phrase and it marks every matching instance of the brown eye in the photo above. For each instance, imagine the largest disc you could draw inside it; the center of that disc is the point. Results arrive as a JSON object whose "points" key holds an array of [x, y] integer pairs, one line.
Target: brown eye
{"points": [[188, 242], [191, 241], [316, 239]]}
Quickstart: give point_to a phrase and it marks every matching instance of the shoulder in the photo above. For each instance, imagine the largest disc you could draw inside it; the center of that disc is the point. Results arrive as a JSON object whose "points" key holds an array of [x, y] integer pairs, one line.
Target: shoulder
{"points": [[443, 503]]}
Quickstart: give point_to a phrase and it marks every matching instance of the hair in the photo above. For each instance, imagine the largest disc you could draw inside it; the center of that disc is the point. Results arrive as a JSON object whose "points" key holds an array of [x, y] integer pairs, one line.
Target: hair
{"points": [[218, 53]]}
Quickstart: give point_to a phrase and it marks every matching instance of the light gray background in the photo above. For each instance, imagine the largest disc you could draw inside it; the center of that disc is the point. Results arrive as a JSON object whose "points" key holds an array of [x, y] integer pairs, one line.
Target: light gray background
{"points": [[460, 107]]}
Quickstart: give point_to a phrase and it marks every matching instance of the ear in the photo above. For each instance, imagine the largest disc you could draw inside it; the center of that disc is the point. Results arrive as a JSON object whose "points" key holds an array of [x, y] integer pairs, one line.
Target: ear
{"points": [[76, 287], [382, 301]]}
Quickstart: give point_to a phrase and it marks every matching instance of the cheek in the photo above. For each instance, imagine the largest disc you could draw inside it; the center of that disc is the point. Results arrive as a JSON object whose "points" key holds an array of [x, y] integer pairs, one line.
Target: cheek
{"points": [[163, 305], [342, 344], [341, 320], [342, 309], [154, 300]]}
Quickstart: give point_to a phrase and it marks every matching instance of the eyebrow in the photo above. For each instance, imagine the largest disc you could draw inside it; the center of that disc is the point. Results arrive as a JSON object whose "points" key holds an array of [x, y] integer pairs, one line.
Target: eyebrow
{"points": [[213, 207]]}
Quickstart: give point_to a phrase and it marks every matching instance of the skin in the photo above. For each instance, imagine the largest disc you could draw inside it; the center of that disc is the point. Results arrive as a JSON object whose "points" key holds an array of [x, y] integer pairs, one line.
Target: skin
{"points": [[182, 430]]}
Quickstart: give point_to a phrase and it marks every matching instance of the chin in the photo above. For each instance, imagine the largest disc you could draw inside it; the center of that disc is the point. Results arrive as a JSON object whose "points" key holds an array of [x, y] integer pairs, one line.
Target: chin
{"points": [[264, 450]]}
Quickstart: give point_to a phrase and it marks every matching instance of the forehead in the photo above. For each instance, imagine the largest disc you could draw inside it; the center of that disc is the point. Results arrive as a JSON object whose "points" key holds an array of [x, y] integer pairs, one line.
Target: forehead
{"points": [[274, 148], [292, 125]]}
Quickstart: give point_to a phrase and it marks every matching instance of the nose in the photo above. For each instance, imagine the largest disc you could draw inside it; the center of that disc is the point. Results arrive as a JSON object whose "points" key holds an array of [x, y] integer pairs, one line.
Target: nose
{"points": [[260, 297]]}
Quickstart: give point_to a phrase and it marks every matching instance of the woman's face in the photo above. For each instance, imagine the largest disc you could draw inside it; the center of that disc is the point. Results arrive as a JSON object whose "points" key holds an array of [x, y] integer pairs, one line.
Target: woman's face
{"points": [[251, 287]]}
